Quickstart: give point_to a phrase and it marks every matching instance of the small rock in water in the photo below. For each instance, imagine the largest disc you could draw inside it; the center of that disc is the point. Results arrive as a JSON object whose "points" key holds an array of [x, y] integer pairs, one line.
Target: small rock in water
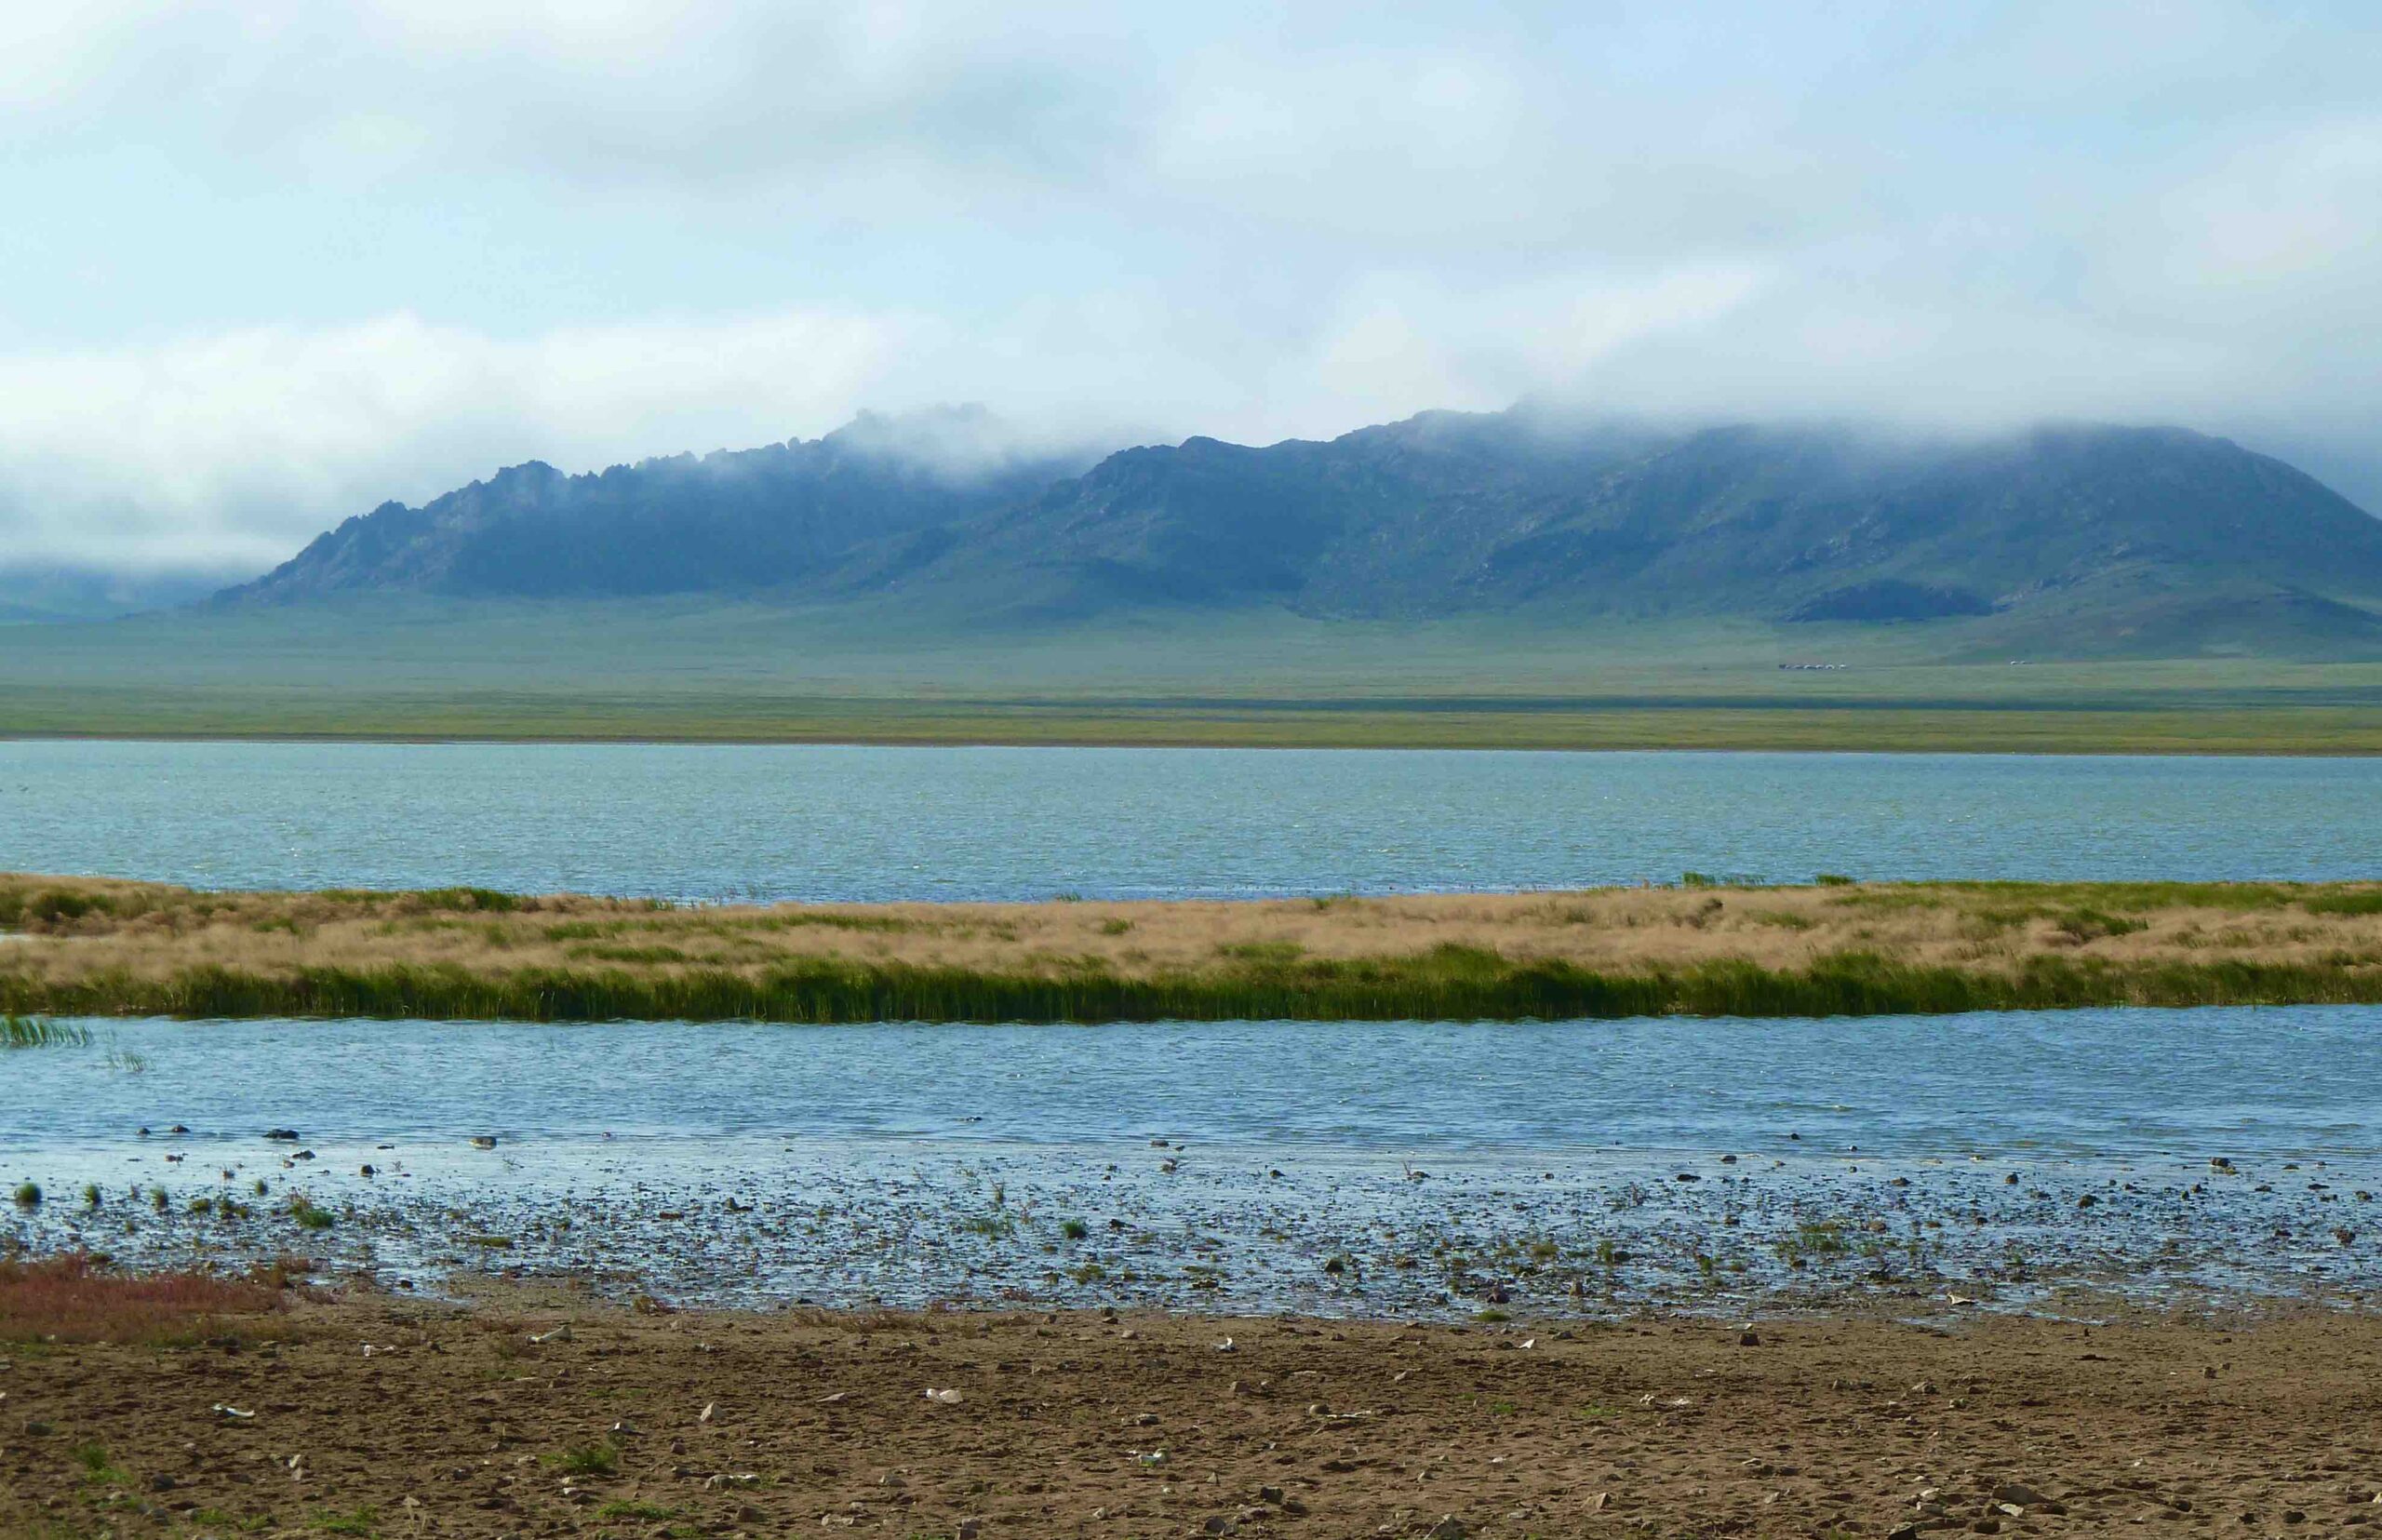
{"points": [[483, 1141], [286, 1136]]}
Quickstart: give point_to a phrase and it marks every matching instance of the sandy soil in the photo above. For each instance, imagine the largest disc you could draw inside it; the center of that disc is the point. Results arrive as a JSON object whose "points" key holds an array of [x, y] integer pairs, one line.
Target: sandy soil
{"points": [[375, 1417]]}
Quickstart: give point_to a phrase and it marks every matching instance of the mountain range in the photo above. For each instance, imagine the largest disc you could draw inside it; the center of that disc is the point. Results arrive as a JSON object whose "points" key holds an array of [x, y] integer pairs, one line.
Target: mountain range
{"points": [[2115, 539]]}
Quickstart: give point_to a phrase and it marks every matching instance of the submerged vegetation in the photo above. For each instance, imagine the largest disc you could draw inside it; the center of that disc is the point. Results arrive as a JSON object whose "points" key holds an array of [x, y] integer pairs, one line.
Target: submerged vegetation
{"points": [[1703, 945], [35, 1032]]}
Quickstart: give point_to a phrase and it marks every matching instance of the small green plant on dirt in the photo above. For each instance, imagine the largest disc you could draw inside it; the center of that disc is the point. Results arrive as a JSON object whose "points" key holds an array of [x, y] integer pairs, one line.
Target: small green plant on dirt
{"points": [[98, 1469], [588, 1460]]}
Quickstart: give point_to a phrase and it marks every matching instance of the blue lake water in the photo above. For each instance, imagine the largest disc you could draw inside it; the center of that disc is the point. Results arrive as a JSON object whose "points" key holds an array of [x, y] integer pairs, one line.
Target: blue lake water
{"points": [[2282, 1082], [2023, 1160], [874, 824]]}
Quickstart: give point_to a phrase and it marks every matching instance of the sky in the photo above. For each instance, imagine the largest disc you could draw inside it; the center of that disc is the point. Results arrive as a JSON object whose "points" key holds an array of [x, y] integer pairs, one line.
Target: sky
{"points": [[272, 263]]}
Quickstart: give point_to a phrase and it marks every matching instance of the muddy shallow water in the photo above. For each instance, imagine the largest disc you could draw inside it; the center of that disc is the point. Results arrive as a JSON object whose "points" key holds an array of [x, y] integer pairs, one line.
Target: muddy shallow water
{"points": [[1403, 1168]]}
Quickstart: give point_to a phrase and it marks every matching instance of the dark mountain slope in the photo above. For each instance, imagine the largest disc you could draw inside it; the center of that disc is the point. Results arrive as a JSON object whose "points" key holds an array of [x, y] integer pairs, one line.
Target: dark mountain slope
{"points": [[762, 518], [1519, 511], [2075, 539]]}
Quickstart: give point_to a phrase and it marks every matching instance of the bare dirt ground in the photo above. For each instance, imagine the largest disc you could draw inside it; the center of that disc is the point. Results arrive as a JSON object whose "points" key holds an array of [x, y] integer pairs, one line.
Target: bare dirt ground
{"points": [[362, 1415]]}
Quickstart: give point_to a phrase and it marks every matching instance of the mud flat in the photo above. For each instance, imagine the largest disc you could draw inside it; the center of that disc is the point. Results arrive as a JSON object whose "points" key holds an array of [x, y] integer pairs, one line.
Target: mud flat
{"points": [[1338, 1234], [540, 1412]]}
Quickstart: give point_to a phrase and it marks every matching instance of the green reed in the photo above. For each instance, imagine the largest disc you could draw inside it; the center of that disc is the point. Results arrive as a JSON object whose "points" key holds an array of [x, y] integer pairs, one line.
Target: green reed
{"points": [[1447, 983], [40, 1032]]}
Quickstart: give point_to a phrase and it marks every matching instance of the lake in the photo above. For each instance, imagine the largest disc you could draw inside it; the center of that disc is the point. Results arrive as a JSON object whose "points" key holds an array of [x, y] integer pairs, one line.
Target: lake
{"points": [[1702, 1165], [859, 824]]}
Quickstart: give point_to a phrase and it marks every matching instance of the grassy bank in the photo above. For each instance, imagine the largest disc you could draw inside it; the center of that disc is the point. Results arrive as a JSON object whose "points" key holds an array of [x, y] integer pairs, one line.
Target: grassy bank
{"points": [[93, 948]]}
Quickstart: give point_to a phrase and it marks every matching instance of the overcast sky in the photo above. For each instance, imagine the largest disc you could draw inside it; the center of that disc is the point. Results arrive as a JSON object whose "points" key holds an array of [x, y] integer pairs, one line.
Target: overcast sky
{"points": [[269, 262]]}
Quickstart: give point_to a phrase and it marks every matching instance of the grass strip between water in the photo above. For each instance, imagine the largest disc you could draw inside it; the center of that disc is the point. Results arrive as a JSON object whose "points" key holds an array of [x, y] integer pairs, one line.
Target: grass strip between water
{"points": [[1446, 984]]}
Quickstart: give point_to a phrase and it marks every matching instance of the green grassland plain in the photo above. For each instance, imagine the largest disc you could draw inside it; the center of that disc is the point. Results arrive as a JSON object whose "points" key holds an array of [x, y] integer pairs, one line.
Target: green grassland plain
{"points": [[707, 671]]}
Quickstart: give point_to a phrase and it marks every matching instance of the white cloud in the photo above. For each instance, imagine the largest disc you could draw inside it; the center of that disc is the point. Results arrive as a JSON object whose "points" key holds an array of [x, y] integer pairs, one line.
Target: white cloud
{"points": [[2308, 204], [296, 256], [232, 449]]}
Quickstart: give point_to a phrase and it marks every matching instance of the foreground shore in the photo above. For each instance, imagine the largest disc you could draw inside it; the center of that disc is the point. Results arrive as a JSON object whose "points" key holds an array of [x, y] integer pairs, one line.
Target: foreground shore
{"points": [[355, 1414], [87, 947]]}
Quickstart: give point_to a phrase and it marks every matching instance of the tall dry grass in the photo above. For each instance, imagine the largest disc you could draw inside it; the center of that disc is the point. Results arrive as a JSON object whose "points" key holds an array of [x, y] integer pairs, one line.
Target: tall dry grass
{"points": [[106, 947]]}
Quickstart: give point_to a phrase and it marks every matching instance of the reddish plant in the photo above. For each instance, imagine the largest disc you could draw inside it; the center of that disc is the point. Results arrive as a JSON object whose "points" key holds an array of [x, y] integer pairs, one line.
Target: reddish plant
{"points": [[75, 1298]]}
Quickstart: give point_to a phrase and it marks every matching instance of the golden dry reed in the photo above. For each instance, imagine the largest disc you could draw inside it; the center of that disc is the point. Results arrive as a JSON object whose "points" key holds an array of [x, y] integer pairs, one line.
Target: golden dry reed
{"points": [[84, 946]]}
